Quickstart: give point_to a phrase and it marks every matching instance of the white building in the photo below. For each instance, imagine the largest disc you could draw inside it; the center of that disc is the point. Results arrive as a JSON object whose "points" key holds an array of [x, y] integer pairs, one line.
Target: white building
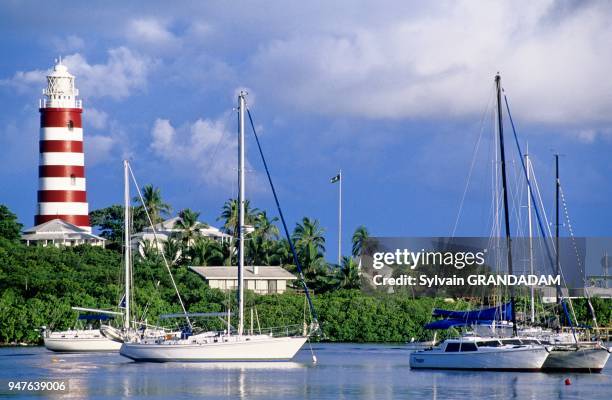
{"points": [[260, 279], [60, 233], [170, 229]]}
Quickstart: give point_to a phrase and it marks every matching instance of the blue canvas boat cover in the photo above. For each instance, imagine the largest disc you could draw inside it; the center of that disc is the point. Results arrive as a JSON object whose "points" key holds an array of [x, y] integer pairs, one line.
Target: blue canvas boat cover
{"points": [[460, 318], [90, 317]]}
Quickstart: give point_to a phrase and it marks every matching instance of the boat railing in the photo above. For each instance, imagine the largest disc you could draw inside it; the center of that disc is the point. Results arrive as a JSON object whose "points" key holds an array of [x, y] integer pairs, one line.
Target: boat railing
{"points": [[590, 333], [274, 331]]}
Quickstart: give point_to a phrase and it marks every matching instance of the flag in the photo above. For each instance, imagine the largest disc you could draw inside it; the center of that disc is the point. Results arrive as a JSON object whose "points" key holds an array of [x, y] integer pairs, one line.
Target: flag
{"points": [[334, 179], [122, 302]]}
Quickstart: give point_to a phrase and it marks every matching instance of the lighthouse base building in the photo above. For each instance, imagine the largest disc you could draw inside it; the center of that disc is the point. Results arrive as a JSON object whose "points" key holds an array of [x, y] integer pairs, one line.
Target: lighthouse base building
{"points": [[59, 233]]}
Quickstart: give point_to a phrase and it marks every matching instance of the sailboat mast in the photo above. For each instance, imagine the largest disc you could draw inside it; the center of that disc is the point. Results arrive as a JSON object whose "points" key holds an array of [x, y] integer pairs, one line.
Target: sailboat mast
{"points": [[505, 196], [241, 203], [126, 232], [557, 184], [531, 288]]}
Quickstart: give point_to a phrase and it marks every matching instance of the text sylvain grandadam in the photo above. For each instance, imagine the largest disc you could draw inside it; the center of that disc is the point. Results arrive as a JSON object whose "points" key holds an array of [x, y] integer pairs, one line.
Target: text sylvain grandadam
{"points": [[459, 260]]}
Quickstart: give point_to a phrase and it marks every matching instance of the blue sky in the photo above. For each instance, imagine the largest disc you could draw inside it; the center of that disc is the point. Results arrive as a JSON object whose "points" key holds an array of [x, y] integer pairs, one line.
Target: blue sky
{"points": [[392, 92]]}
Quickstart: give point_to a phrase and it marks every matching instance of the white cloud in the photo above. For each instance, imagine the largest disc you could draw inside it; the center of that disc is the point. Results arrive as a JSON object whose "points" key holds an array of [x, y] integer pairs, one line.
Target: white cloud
{"points": [[587, 135], [98, 149], [152, 34], [98, 119], [24, 81], [163, 137], [206, 146], [440, 63], [123, 73], [67, 44]]}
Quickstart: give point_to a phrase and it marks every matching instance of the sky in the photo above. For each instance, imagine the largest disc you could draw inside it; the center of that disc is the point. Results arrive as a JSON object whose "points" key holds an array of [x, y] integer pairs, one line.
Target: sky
{"points": [[397, 94]]}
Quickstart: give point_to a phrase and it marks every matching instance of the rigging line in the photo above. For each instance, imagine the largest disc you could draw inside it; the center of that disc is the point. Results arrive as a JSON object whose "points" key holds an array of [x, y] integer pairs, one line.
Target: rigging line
{"points": [[157, 244], [569, 227], [515, 195], [537, 212], [580, 266], [474, 154], [547, 223], [536, 209], [282, 217], [539, 194]]}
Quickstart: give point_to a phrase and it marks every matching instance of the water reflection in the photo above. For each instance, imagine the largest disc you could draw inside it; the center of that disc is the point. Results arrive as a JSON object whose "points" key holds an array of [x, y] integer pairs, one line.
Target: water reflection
{"points": [[242, 366], [343, 372]]}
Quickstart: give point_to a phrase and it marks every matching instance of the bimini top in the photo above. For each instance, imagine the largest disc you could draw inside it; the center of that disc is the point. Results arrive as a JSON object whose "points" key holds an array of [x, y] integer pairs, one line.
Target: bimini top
{"points": [[461, 318]]}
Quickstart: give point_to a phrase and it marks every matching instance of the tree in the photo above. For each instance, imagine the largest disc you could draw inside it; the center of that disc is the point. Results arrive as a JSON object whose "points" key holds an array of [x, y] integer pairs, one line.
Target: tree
{"points": [[309, 234], [310, 247], [206, 251], [349, 273], [265, 227], [154, 204], [262, 247], [148, 250], [189, 225], [359, 236], [172, 251], [109, 221], [229, 215], [10, 228]]}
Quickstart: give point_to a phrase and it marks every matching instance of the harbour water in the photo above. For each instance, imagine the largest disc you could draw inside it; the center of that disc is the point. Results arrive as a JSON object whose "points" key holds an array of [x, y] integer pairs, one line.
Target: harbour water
{"points": [[343, 371]]}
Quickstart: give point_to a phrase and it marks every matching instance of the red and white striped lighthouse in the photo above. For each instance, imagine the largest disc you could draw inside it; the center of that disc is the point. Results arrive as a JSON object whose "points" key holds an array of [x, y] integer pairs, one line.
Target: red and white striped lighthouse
{"points": [[61, 172]]}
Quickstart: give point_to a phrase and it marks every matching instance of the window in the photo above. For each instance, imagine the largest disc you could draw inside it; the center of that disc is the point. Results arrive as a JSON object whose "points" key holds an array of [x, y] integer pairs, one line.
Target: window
{"points": [[456, 347], [488, 343], [452, 347], [512, 341], [468, 347], [271, 286], [72, 180], [70, 124]]}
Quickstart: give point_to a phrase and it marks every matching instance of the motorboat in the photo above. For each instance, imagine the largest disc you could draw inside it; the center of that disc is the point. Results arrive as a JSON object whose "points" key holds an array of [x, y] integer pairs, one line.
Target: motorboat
{"points": [[481, 353]]}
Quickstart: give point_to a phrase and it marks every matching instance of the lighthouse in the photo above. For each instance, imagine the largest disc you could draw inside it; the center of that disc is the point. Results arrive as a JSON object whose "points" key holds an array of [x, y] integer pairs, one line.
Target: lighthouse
{"points": [[61, 173]]}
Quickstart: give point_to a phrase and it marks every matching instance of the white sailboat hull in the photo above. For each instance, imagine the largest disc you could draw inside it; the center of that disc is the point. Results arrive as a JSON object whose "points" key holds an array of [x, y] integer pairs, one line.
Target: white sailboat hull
{"points": [[581, 359], [78, 343], [500, 359], [254, 349]]}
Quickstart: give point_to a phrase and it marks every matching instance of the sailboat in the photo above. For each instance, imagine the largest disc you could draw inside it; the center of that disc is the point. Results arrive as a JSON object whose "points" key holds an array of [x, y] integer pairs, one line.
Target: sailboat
{"points": [[82, 340], [228, 345], [106, 337], [486, 353], [567, 352], [131, 329]]}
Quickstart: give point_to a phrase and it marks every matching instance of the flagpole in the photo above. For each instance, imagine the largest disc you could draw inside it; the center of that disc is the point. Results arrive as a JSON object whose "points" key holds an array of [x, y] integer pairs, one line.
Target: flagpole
{"points": [[340, 219]]}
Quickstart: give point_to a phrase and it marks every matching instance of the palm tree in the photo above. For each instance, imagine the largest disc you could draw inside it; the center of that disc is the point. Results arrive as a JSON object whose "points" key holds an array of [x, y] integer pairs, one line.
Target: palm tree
{"points": [[153, 203], [172, 251], [148, 250], [261, 246], [310, 244], [265, 227], [189, 225], [206, 251], [229, 214], [349, 273], [309, 234], [359, 236]]}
